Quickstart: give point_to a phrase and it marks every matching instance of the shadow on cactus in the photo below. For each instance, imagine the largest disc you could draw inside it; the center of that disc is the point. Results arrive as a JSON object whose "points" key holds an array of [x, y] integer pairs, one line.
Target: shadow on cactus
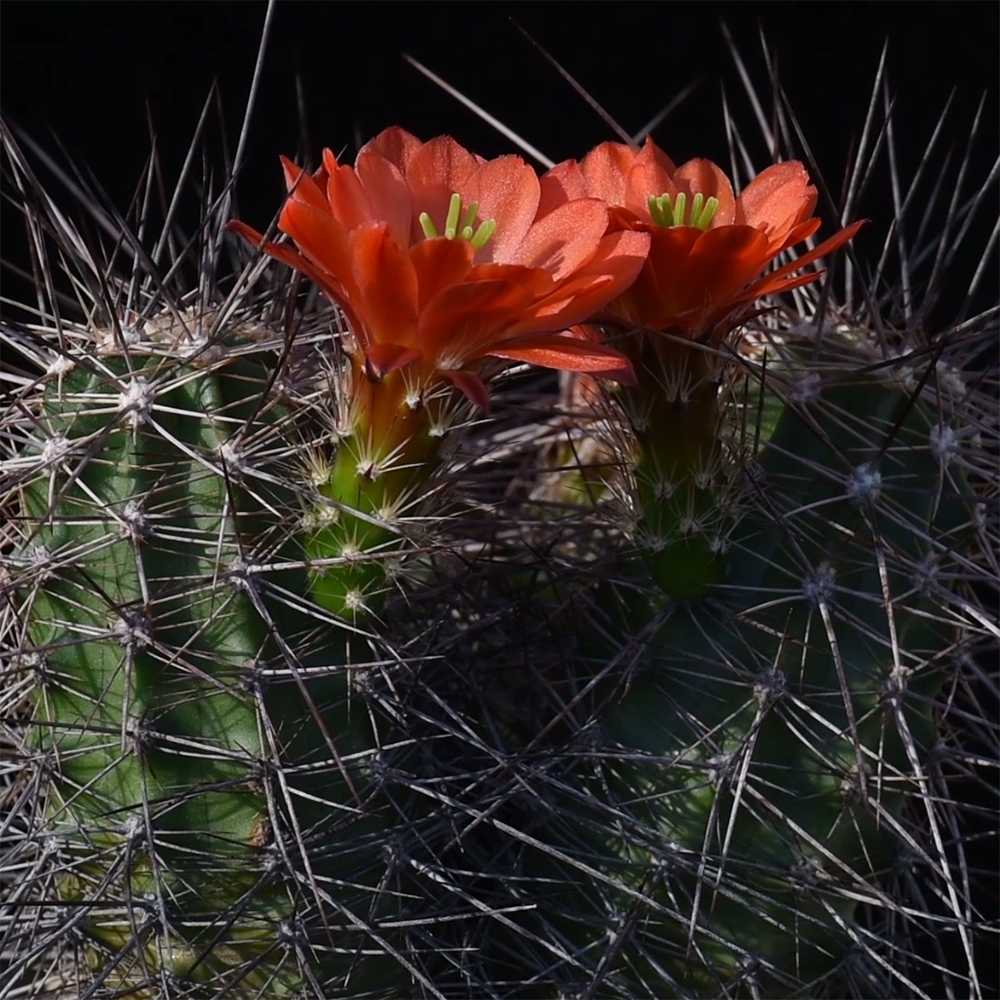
{"points": [[322, 682]]}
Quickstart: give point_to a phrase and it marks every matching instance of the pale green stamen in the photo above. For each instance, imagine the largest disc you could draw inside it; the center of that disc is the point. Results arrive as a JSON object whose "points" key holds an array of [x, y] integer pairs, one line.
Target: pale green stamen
{"points": [[484, 234], [427, 225], [451, 220], [467, 230], [666, 211]]}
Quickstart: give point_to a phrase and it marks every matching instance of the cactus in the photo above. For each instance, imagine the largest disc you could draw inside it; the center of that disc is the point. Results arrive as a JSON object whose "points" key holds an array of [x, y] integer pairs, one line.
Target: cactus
{"points": [[211, 774], [322, 688]]}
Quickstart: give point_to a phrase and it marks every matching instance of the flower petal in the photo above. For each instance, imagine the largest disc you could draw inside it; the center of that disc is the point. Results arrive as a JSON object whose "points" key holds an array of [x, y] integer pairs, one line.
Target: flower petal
{"points": [[563, 183], [507, 191], [302, 187], [472, 387], [387, 287], [651, 153], [691, 273], [347, 200], [724, 260], [389, 196], [797, 234], [469, 308], [320, 237], [826, 247], [651, 174], [439, 264], [284, 253], [396, 145], [770, 285], [329, 284], [435, 172], [777, 199], [463, 320], [565, 239], [606, 168], [619, 259]]}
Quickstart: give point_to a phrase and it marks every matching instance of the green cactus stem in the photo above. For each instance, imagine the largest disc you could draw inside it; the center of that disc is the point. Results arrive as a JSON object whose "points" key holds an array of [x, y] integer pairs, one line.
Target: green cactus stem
{"points": [[675, 411], [778, 727], [385, 455], [212, 781]]}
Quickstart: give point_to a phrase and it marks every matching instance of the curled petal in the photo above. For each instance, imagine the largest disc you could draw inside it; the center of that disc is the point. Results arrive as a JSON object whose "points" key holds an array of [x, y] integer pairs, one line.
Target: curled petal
{"points": [[472, 387], [567, 353]]}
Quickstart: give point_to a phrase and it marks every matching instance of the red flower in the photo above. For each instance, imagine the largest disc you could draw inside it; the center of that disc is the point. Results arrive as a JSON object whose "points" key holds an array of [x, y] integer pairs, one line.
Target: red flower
{"points": [[440, 259], [709, 250]]}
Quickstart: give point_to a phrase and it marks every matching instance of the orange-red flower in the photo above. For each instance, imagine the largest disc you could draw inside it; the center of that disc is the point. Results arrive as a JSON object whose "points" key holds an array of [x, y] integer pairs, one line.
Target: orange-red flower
{"points": [[709, 249], [440, 258]]}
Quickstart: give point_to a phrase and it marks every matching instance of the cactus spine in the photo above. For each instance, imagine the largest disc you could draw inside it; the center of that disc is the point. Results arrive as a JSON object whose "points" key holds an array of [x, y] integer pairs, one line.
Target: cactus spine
{"points": [[668, 719]]}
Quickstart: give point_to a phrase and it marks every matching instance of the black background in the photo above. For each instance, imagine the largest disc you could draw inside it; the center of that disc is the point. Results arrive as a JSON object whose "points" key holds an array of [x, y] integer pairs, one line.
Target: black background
{"points": [[90, 72]]}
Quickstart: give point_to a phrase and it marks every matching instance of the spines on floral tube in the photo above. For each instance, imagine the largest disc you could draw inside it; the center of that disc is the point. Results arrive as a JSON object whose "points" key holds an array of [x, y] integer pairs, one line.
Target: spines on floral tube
{"points": [[378, 474], [681, 468]]}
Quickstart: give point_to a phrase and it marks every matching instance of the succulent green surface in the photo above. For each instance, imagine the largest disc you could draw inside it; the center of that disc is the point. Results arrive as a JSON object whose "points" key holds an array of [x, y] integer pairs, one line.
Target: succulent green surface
{"points": [[180, 678], [786, 717]]}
